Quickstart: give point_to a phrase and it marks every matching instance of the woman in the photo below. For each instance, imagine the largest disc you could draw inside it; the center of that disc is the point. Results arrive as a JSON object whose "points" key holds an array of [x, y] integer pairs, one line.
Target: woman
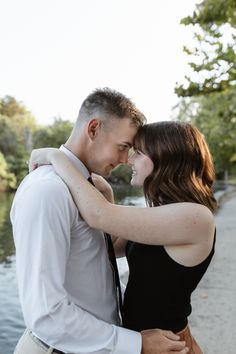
{"points": [[171, 243]]}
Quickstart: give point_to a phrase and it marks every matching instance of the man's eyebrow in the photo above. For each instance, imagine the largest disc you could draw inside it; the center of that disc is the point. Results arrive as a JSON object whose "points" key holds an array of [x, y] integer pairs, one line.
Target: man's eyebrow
{"points": [[127, 144]]}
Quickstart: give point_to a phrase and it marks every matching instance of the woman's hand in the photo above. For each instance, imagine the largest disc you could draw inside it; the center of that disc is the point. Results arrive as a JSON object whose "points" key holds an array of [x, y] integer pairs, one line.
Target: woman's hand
{"points": [[40, 157], [43, 156], [103, 186]]}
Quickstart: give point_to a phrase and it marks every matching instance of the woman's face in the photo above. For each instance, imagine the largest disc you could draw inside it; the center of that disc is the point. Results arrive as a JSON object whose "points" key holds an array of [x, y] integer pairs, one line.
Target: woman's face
{"points": [[142, 166]]}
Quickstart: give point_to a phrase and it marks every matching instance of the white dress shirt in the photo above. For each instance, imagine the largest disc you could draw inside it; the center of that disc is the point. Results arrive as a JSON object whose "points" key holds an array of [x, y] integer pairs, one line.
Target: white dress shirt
{"points": [[64, 275]]}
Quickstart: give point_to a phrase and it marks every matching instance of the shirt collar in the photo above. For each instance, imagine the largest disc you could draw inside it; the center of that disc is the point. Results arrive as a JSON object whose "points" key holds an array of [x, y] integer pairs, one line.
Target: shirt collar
{"points": [[78, 164]]}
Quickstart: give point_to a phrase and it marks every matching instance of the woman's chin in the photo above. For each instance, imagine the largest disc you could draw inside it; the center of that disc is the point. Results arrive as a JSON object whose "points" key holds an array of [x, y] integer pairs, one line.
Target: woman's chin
{"points": [[134, 183]]}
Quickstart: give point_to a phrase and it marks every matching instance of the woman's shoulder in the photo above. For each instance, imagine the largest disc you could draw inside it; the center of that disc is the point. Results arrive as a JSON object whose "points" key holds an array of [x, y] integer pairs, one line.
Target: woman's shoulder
{"points": [[205, 217], [192, 219]]}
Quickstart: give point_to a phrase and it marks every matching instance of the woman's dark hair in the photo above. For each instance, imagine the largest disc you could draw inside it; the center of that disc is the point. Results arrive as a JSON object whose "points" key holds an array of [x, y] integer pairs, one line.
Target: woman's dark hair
{"points": [[183, 169]]}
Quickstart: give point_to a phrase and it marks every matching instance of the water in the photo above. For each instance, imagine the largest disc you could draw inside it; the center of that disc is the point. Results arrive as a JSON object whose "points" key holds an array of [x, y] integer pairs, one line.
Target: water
{"points": [[11, 320]]}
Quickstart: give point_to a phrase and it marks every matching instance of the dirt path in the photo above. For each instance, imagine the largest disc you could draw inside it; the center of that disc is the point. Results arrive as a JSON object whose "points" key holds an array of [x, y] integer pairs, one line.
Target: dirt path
{"points": [[213, 321]]}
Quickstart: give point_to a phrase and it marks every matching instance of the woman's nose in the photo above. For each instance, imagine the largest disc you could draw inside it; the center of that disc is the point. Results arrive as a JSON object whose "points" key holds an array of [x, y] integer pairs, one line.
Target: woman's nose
{"points": [[130, 159]]}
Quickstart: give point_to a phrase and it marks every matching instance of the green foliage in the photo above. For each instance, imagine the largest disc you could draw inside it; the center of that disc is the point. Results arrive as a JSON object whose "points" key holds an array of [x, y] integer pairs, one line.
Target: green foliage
{"points": [[233, 158], [19, 134], [8, 137], [10, 107], [121, 175], [7, 179], [16, 130], [54, 135], [210, 12], [7, 248], [215, 116], [214, 56], [211, 88], [18, 165]]}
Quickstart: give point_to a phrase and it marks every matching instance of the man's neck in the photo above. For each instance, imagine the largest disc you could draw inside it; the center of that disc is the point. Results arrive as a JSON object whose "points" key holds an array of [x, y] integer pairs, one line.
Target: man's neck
{"points": [[71, 148], [78, 150], [76, 161]]}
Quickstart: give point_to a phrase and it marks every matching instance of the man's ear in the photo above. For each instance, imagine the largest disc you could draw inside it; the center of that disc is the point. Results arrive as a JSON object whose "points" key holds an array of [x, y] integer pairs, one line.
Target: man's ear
{"points": [[93, 128]]}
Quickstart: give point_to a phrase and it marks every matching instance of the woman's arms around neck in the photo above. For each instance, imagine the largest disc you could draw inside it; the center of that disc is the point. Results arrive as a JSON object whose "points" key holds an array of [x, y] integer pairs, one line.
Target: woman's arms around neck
{"points": [[169, 225]]}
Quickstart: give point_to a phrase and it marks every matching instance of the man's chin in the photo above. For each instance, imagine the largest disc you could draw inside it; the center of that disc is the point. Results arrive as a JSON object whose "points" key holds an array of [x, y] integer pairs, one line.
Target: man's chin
{"points": [[104, 174], [107, 172]]}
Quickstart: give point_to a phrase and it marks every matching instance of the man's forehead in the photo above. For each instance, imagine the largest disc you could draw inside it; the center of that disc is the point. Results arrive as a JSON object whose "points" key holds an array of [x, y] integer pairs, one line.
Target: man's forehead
{"points": [[124, 130]]}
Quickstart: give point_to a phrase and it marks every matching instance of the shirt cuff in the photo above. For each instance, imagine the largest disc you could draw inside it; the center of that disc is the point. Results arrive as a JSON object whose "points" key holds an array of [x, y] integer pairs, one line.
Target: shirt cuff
{"points": [[128, 342]]}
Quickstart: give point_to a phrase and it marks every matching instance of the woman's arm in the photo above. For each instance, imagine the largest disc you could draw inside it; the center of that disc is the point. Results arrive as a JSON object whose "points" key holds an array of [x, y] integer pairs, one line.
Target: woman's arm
{"points": [[104, 187], [172, 224]]}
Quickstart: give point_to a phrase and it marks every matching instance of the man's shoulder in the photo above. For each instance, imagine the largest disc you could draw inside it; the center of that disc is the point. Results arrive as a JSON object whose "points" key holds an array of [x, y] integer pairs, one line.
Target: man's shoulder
{"points": [[40, 175], [43, 181], [43, 193]]}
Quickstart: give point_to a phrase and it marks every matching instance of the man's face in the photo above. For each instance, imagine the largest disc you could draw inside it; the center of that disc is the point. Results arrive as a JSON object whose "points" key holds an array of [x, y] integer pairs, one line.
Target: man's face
{"points": [[111, 146]]}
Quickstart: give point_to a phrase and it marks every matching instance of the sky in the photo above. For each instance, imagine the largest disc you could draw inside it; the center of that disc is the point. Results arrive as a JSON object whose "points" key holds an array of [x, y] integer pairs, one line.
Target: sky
{"points": [[53, 53]]}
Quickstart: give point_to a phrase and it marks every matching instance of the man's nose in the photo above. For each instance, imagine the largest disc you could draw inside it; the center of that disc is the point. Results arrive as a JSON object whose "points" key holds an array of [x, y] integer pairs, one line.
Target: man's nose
{"points": [[124, 157], [130, 159]]}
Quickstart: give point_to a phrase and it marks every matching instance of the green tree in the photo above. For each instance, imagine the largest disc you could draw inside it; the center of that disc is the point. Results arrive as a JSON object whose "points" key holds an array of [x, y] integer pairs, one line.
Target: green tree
{"points": [[16, 129], [7, 179], [8, 137], [214, 56], [209, 92], [10, 107], [215, 117], [121, 175], [53, 135], [16, 124], [7, 248]]}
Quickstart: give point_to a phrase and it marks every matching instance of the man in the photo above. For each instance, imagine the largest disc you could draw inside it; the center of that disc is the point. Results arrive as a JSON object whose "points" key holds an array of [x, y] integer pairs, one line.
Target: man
{"points": [[64, 273]]}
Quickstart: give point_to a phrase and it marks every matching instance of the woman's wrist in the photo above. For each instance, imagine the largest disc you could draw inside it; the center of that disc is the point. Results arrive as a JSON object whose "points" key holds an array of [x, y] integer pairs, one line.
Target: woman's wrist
{"points": [[109, 195], [56, 157], [52, 154]]}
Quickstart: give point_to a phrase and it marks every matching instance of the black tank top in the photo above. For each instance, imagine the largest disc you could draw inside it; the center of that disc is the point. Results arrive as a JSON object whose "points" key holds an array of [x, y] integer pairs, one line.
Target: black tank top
{"points": [[158, 293]]}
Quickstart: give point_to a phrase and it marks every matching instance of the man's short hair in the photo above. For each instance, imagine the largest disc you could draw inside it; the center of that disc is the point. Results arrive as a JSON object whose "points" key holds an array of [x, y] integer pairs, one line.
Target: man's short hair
{"points": [[106, 102]]}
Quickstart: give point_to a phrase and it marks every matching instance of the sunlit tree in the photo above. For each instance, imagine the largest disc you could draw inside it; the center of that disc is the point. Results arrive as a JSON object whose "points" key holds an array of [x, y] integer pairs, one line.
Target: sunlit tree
{"points": [[209, 91]]}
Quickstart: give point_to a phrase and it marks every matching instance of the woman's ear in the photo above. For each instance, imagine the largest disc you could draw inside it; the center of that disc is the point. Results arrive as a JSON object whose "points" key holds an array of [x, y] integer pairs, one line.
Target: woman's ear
{"points": [[93, 128]]}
